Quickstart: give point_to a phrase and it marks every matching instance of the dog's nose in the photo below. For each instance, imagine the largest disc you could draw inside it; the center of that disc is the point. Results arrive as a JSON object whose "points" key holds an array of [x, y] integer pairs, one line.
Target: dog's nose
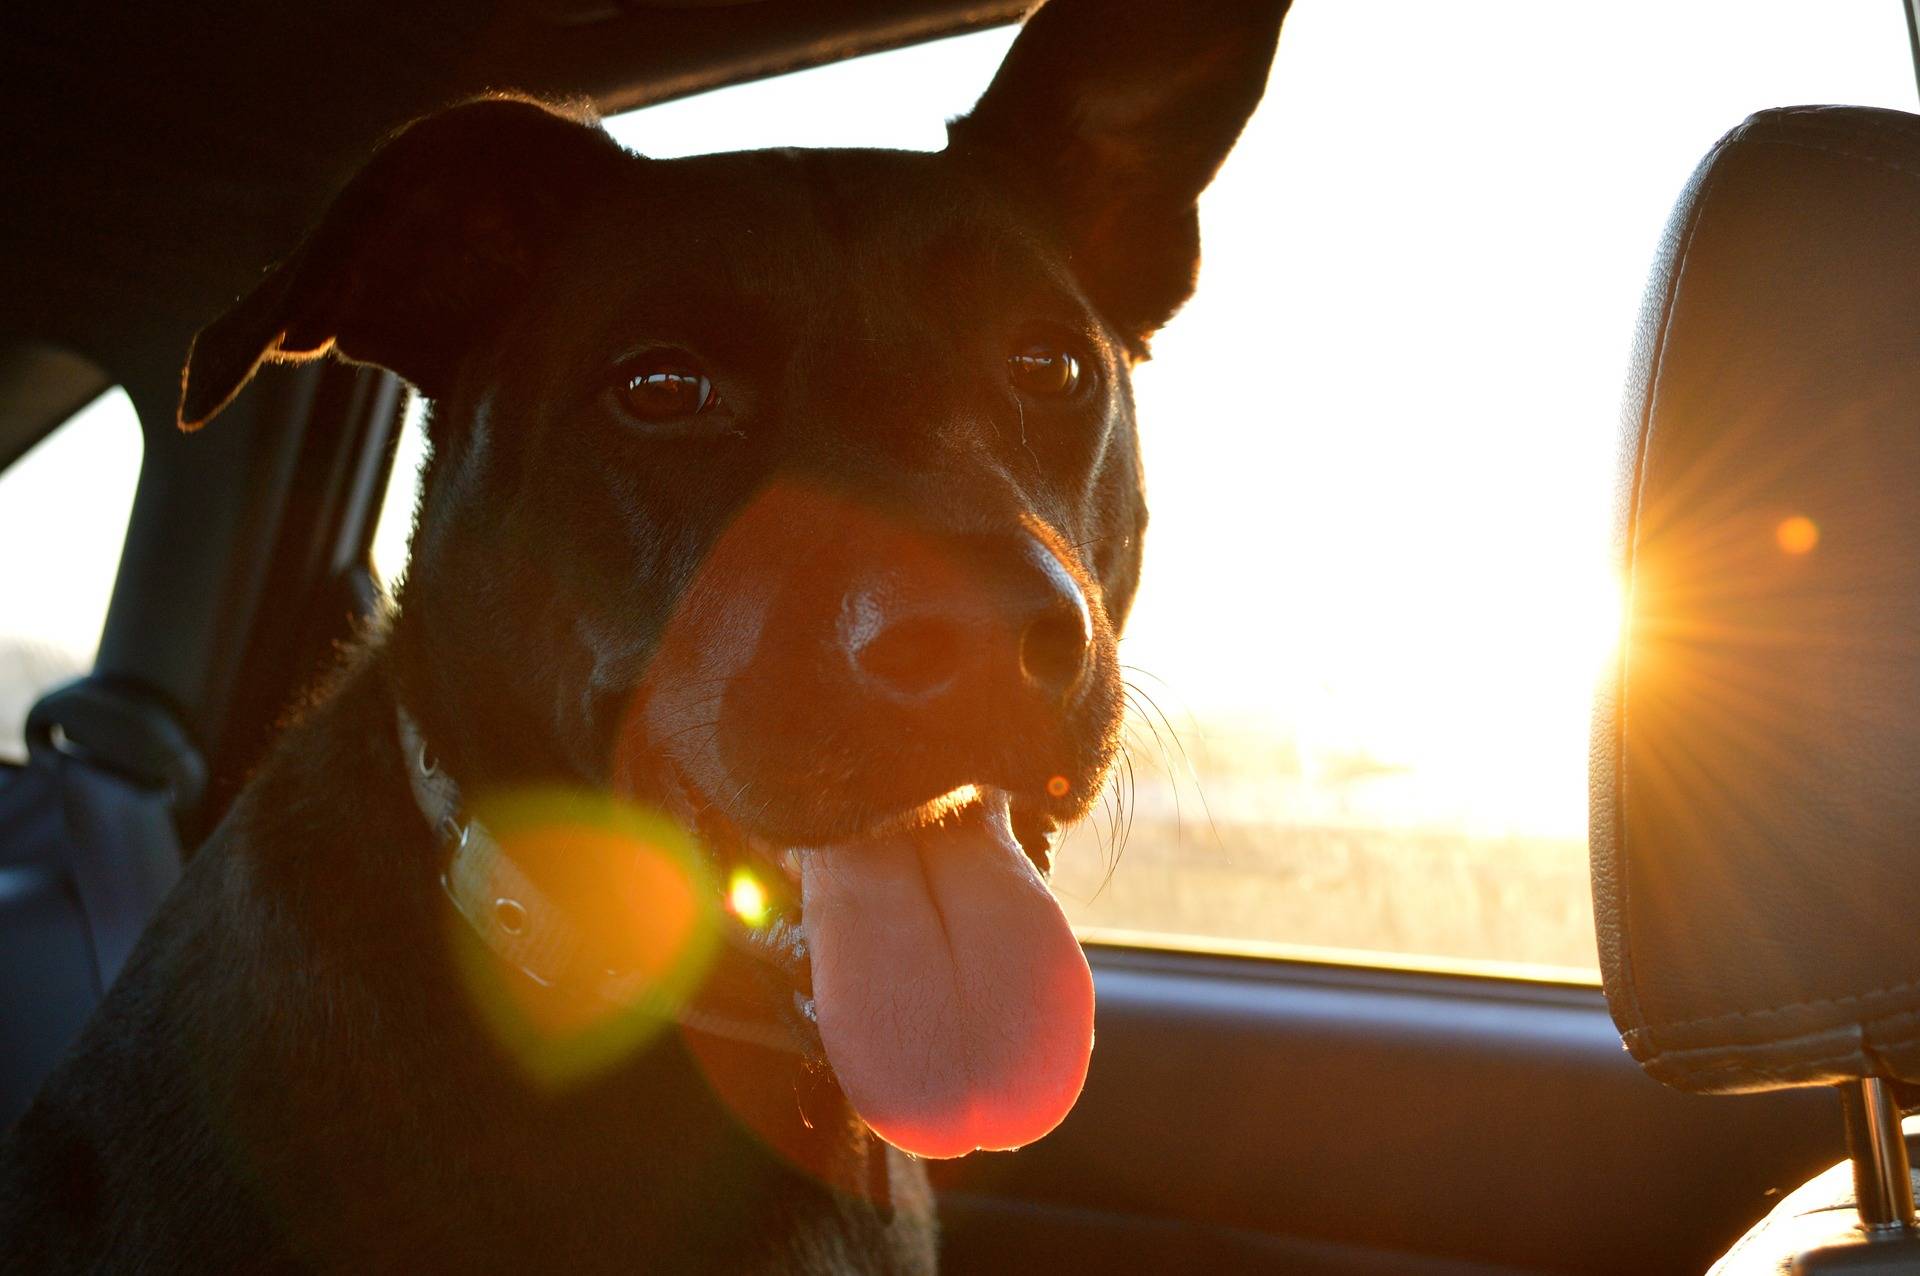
{"points": [[1056, 641], [906, 658], [1017, 621]]}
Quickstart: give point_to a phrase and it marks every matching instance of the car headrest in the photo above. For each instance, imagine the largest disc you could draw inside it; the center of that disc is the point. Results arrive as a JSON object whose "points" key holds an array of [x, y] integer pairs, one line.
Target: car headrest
{"points": [[1756, 763]]}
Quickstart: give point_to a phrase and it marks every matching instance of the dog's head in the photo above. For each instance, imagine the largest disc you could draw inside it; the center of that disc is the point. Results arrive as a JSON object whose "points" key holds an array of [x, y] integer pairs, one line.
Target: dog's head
{"points": [[797, 492]]}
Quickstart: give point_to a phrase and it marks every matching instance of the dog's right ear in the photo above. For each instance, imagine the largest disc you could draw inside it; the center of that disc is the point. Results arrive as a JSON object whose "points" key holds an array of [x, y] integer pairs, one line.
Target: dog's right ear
{"points": [[1118, 115], [415, 256]]}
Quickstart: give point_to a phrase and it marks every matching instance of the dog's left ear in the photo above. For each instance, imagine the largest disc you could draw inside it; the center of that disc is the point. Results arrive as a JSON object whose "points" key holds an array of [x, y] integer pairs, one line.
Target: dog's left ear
{"points": [[1119, 114], [421, 250]]}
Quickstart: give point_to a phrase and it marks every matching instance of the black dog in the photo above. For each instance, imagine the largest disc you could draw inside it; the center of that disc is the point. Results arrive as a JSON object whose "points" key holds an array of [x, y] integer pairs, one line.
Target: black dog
{"points": [[780, 500]]}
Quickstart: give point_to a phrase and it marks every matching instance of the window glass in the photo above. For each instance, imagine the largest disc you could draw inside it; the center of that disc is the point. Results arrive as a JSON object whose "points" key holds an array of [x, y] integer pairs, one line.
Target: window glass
{"points": [[1379, 450], [1380, 446], [63, 518]]}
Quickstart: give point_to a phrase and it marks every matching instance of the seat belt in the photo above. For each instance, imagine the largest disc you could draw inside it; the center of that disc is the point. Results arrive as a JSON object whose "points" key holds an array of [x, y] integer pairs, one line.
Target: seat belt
{"points": [[88, 848], [121, 767]]}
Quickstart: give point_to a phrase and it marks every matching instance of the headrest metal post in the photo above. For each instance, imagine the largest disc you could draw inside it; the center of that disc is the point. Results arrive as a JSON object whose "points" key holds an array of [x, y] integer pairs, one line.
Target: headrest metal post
{"points": [[1882, 1181]]}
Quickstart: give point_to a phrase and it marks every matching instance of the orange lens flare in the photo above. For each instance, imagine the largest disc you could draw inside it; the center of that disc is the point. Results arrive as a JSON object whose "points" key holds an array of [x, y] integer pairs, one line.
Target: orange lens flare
{"points": [[1797, 535], [1058, 786], [627, 915]]}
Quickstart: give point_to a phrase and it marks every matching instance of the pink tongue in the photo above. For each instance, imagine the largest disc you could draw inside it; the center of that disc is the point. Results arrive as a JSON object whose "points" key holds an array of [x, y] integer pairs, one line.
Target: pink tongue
{"points": [[954, 1002]]}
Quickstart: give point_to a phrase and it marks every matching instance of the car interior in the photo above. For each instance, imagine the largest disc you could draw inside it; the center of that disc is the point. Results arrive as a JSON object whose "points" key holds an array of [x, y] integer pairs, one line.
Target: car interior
{"points": [[1700, 1058]]}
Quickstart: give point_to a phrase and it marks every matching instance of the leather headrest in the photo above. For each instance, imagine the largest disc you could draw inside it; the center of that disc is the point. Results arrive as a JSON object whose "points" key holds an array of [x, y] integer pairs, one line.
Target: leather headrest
{"points": [[1756, 765]]}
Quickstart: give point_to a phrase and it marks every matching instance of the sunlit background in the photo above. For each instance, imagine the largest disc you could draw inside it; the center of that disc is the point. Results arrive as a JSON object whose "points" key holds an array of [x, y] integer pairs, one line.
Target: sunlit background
{"points": [[63, 517], [1380, 448]]}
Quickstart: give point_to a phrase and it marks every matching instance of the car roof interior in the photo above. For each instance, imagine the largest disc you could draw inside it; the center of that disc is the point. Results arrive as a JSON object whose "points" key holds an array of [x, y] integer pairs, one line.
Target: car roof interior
{"points": [[1242, 1115], [235, 132]]}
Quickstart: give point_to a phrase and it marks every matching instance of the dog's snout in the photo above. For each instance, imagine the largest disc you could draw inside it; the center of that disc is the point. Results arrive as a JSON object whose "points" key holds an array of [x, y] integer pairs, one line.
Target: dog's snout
{"points": [[1055, 647], [901, 653], [1056, 641], [1013, 622]]}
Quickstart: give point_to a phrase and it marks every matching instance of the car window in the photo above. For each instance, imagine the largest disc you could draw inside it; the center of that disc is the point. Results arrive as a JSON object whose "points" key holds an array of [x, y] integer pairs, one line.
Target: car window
{"points": [[1379, 450], [63, 517]]}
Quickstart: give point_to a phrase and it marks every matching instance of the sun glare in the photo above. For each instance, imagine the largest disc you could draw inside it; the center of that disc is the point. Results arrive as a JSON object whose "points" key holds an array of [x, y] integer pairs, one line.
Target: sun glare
{"points": [[1797, 535], [638, 897], [747, 898]]}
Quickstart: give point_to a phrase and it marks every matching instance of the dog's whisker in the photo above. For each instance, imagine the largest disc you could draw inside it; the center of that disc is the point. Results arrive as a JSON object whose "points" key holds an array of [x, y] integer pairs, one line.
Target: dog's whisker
{"points": [[687, 731], [1131, 690], [1110, 800], [723, 679], [1113, 802], [1165, 760], [1021, 406]]}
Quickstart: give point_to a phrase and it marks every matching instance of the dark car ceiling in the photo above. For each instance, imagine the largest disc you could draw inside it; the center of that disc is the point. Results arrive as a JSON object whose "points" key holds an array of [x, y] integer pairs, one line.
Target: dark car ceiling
{"points": [[159, 155]]}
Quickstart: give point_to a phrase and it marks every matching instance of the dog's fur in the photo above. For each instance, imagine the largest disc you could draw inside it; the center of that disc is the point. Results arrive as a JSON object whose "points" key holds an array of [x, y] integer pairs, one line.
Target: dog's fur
{"points": [[289, 1075]]}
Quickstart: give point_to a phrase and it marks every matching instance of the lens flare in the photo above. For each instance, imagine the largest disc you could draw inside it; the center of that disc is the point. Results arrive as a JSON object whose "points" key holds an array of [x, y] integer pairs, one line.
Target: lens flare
{"points": [[747, 898], [613, 921], [1058, 786], [1797, 535]]}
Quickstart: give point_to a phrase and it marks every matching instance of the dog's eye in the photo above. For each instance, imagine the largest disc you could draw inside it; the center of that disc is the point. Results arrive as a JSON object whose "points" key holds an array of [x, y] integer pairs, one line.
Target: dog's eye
{"points": [[1043, 371], [664, 389]]}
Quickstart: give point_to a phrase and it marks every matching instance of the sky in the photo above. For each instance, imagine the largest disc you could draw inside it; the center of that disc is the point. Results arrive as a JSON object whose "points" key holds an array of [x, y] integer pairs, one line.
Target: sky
{"points": [[1380, 441]]}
